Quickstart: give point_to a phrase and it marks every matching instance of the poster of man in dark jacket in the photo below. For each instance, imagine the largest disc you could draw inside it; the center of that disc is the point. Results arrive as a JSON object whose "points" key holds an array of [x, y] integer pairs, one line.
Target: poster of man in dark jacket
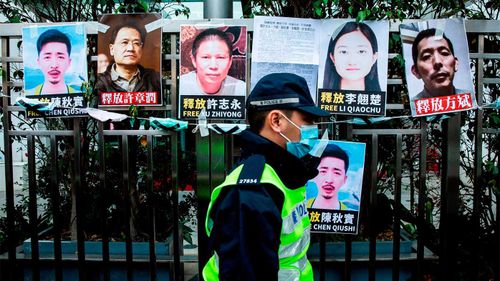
{"points": [[131, 77]]}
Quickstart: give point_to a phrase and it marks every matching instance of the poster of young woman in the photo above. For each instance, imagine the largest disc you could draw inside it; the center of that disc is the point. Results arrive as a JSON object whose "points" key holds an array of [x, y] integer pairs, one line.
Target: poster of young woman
{"points": [[353, 67], [437, 68], [129, 60], [55, 68], [334, 195], [213, 71]]}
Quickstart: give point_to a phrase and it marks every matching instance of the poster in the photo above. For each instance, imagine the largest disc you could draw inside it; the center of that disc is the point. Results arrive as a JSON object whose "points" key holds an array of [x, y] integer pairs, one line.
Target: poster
{"points": [[213, 71], [55, 68], [437, 69], [353, 67], [334, 195], [129, 60], [283, 44]]}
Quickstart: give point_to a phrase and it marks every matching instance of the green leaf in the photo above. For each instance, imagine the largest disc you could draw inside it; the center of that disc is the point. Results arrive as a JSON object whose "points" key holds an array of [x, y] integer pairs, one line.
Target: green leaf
{"points": [[133, 111], [400, 60], [495, 119], [15, 19], [318, 11], [144, 6], [395, 37], [361, 16]]}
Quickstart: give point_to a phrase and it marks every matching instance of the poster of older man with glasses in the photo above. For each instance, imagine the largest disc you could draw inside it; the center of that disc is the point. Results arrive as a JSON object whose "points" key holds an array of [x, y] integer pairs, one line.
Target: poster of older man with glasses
{"points": [[131, 77]]}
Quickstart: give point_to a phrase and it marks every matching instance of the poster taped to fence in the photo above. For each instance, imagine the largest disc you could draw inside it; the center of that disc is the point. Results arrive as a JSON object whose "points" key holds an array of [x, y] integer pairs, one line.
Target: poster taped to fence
{"points": [[353, 67], [334, 195], [55, 59], [55, 68], [213, 72], [129, 60], [283, 44], [437, 68]]}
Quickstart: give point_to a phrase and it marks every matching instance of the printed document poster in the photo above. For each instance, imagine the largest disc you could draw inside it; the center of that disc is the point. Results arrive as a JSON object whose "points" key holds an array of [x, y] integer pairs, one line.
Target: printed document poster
{"points": [[55, 67], [213, 71], [437, 68], [129, 60], [353, 67], [283, 44], [334, 195]]}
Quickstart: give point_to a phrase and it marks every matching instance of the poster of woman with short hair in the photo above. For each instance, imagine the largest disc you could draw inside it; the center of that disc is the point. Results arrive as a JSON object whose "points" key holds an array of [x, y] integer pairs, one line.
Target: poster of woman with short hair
{"points": [[213, 71]]}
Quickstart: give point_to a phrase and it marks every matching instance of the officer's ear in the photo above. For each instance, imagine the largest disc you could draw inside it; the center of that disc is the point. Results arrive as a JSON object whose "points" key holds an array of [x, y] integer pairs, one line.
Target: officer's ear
{"points": [[273, 119]]}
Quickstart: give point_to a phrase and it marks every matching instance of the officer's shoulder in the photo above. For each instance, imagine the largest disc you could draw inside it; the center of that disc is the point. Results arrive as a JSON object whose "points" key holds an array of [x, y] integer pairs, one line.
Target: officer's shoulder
{"points": [[252, 169]]}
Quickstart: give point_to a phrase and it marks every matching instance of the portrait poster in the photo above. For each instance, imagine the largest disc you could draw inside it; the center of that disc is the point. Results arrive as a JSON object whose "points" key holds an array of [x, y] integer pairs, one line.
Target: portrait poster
{"points": [[437, 69], [334, 195], [213, 63], [353, 67], [55, 68], [282, 44], [129, 60]]}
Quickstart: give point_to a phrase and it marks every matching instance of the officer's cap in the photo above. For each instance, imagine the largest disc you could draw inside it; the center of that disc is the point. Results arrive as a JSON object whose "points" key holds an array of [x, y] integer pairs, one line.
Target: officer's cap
{"points": [[283, 91]]}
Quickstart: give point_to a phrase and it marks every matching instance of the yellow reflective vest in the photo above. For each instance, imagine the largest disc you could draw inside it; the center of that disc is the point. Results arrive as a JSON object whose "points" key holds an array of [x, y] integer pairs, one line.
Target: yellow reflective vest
{"points": [[295, 230]]}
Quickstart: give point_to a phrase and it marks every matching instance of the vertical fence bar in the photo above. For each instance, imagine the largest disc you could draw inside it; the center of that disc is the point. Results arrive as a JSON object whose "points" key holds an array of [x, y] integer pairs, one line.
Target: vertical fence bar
{"points": [[104, 209], [77, 184], [478, 158], [173, 71], [348, 238], [9, 181], [175, 198], [397, 210], [348, 258], [33, 212], [175, 154], [151, 211], [228, 152], [373, 206], [322, 256], [127, 204], [55, 208], [422, 193], [203, 190], [217, 156], [449, 198], [497, 197]]}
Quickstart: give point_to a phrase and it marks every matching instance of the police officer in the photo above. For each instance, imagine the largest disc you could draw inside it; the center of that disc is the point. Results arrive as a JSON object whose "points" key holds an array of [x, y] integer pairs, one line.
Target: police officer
{"points": [[257, 220]]}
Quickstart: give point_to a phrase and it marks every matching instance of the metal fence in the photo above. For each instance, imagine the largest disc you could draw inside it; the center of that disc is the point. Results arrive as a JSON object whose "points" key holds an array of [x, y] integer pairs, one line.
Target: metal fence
{"points": [[407, 146]]}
